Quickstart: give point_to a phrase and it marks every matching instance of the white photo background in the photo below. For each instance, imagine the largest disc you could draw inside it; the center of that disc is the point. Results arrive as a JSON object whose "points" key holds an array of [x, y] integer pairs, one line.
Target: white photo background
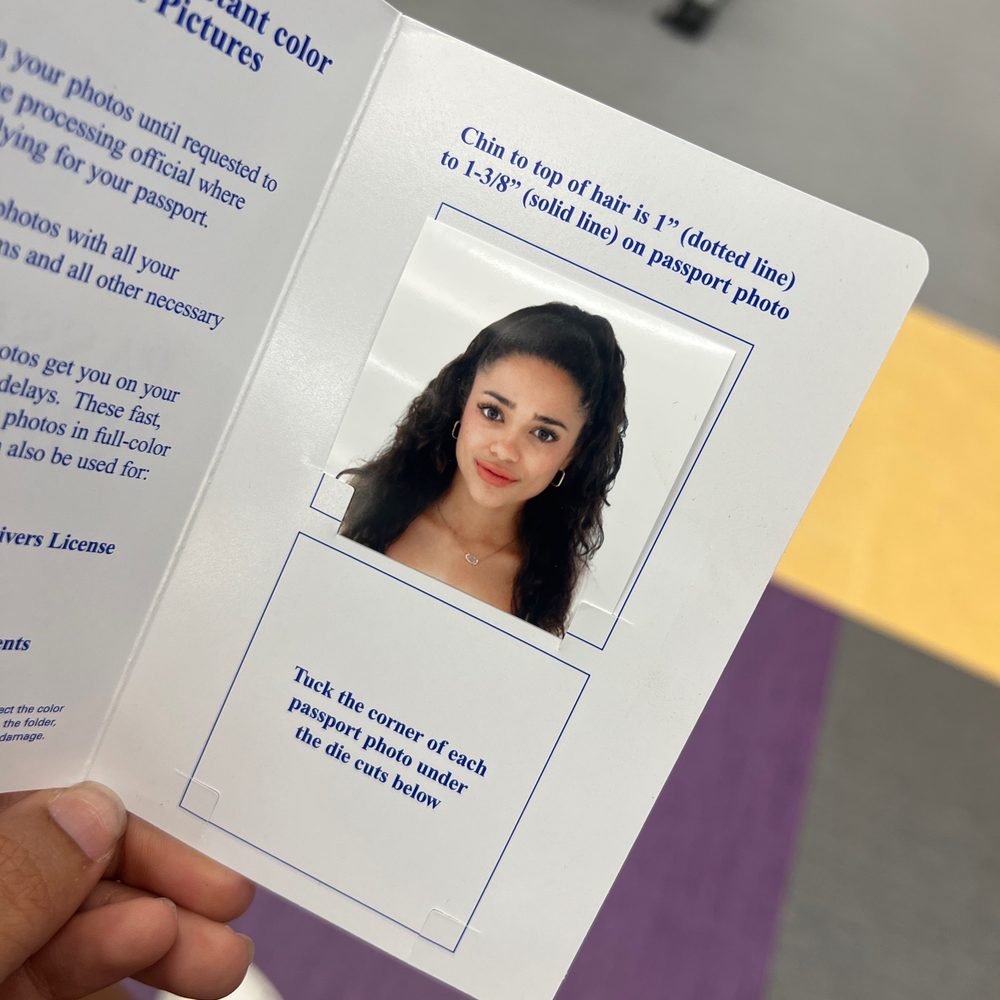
{"points": [[453, 286]]}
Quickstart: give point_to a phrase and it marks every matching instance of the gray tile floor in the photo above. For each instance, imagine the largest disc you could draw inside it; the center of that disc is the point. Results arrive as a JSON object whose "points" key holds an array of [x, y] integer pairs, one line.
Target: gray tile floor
{"points": [[894, 891], [890, 109]]}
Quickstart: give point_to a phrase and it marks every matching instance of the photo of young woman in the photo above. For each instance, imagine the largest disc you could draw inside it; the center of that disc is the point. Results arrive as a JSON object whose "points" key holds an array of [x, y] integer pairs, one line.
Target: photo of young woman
{"points": [[496, 479]]}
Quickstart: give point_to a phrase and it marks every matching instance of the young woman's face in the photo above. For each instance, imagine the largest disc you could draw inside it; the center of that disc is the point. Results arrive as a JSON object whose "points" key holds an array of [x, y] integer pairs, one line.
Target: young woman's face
{"points": [[520, 425]]}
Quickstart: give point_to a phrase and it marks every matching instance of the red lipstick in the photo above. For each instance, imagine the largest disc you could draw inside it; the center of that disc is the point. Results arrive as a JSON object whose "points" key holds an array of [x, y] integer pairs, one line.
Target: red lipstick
{"points": [[493, 475]]}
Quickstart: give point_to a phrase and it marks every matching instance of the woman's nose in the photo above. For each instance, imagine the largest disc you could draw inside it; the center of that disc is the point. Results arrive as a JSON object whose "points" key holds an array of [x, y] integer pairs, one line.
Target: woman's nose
{"points": [[504, 447]]}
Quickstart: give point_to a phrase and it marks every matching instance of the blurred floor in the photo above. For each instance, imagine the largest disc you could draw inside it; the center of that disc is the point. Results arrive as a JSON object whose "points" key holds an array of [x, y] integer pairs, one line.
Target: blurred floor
{"points": [[894, 891], [832, 827]]}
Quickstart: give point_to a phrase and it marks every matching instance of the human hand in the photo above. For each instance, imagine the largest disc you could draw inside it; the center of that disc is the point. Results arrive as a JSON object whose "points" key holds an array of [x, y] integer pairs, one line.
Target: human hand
{"points": [[90, 894]]}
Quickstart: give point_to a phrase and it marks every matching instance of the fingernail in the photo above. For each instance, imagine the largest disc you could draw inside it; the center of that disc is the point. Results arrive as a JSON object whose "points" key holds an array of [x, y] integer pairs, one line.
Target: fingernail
{"points": [[92, 816], [251, 947]]}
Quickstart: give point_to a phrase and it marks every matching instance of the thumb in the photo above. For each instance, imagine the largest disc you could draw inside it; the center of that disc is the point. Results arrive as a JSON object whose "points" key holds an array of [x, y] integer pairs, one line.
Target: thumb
{"points": [[54, 847]]}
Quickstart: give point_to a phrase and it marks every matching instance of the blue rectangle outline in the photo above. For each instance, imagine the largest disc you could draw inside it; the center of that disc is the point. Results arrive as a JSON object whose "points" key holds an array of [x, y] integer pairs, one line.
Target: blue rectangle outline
{"points": [[617, 613], [412, 586]]}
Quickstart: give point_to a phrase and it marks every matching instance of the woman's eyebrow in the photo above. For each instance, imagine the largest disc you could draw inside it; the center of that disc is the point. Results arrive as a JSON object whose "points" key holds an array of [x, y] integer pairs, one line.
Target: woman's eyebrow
{"points": [[550, 420], [510, 404]]}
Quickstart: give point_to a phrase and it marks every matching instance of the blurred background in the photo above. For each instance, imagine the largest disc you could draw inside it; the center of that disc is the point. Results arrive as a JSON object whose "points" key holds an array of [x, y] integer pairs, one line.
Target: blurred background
{"points": [[832, 829]]}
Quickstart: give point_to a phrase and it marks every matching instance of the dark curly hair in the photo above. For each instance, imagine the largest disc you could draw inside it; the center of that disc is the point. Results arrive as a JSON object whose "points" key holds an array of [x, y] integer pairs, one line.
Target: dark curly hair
{"points": [[560, 529]]}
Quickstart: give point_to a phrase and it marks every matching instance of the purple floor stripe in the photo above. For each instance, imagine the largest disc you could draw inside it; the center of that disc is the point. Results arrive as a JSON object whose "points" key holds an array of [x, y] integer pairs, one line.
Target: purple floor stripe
{"points": [[694, 911]]}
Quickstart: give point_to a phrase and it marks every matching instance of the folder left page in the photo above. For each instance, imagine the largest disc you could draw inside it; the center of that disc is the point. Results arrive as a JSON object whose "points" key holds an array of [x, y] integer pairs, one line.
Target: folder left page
{"points": [[160, 163]]}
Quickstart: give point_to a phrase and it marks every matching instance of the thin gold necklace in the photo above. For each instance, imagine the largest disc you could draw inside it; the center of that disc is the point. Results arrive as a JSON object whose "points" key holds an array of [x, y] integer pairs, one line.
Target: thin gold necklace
{"points": [[470, 557]]}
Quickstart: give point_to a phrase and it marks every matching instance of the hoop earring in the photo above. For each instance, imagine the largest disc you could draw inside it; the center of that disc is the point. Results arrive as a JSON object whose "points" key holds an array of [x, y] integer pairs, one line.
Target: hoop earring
{"points": [[559, 480], [454, 429]]}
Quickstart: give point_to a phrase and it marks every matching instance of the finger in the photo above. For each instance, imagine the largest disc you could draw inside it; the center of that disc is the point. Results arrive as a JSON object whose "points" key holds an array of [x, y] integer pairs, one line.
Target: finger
{"points": [[7, 799], [98, 948], [207, 959], [106, 892], [153, 860], [54, 847]]}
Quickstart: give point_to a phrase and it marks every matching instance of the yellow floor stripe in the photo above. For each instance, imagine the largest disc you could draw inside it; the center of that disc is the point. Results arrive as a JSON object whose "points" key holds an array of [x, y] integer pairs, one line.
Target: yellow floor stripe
{"points": [[904, 531]]}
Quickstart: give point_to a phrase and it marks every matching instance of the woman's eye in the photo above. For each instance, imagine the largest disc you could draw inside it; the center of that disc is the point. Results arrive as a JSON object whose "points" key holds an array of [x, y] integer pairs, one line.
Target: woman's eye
{"points": [[490, 411], [545, 435]]}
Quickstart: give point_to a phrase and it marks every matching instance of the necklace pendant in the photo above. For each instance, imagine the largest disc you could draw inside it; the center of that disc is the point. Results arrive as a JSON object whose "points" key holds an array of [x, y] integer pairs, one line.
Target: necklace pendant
{"points": [[471, 559]]}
